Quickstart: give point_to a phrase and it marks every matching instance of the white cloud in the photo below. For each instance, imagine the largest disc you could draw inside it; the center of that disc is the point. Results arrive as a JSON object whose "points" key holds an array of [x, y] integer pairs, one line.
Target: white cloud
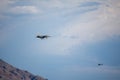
{"points": [[6, 7], [24, 10], [60, 4]]}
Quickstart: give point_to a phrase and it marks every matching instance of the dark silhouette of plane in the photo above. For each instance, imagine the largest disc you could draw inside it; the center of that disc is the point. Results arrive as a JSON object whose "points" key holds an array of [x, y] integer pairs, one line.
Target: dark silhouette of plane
{"points": [[100, 64], [42, 36]]}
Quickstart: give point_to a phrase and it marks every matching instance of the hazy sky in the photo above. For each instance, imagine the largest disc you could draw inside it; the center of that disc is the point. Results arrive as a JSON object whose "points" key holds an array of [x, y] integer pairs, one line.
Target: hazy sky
{"points": [[83, 34]]}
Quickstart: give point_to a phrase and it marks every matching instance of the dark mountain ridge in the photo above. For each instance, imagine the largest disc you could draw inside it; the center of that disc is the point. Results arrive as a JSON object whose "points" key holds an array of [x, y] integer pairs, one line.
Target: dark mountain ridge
{"points": [[8, 72]]}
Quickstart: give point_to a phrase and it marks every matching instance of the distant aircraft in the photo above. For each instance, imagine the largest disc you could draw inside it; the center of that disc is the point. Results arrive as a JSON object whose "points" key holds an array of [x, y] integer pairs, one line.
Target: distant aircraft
{"points": [[42, 36], [100, 64]]}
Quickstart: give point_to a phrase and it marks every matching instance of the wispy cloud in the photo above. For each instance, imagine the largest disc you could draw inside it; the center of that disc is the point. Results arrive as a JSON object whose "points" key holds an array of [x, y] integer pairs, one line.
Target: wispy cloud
{"points": [[24, 10], [61, 4], [66, 7], [12, 7], [100, 24]]}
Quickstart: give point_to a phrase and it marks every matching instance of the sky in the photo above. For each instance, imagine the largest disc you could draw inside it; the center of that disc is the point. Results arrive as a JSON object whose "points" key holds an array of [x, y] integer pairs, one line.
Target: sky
{"points": [[83, 34]]}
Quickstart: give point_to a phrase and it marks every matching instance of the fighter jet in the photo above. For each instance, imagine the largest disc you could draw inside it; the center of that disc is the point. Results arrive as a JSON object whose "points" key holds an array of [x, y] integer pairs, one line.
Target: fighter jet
{"points": [[42, 36], [100, 64]]}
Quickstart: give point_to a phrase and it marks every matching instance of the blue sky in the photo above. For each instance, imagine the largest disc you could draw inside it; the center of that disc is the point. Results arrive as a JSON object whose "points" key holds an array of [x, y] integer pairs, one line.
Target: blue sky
{"points": [[83, 34]]}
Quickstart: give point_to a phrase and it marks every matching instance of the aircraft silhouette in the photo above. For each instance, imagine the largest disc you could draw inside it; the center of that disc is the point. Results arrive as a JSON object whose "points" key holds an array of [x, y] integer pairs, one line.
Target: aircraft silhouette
{"points": [[42, 36], [100, 64]]}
